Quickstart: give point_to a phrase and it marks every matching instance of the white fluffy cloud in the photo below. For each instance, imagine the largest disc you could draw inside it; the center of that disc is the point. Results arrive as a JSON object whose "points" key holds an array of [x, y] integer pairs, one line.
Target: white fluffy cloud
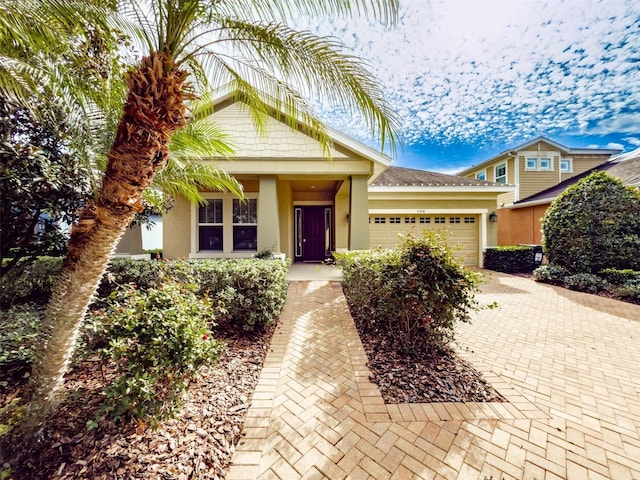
{"points": [[487, 72]]}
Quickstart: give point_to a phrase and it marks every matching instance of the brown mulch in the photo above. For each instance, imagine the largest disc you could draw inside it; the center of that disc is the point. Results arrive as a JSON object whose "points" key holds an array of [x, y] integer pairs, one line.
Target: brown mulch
{"points": [[424, 377], [199, 443]]}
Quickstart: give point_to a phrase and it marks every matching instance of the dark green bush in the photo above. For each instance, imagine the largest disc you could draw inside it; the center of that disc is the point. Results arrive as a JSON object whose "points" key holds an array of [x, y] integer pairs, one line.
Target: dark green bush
{"points": [[158, 338], [550, 274], [593, 225], [417, 292], [509, 259], [618, 277], [585, 282], [30, 281]]}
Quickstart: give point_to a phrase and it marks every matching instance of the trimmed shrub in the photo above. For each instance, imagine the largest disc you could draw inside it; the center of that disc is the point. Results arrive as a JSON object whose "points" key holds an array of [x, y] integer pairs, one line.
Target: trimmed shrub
{"points": [[618, 277], [585, 282], [250, 292], [509, 259], [593, 225], [550, 274], [158, 339], [416, 292]]}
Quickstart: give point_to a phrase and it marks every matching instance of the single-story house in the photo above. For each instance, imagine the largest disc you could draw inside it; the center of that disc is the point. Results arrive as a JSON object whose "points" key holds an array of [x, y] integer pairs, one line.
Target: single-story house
{"points": [[521, 222], [306, 207]]}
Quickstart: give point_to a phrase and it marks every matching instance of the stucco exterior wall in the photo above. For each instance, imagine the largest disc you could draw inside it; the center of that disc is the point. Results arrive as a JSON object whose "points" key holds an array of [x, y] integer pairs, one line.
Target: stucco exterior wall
{"points": [[176, 234]]}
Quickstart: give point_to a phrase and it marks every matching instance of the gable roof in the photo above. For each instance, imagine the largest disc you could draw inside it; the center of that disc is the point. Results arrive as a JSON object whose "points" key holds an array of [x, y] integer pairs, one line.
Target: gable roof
{"points": [[225, 95], [564, 149], [409, 179], [626, 167]]}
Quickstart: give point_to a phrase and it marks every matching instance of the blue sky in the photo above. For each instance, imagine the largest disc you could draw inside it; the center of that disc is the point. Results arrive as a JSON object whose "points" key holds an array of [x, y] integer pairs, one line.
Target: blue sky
{"points": [[470, 79]]}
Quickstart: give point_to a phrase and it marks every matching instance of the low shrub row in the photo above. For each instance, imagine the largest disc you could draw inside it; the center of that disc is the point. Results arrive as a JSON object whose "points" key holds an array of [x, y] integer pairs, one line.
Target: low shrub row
{"points": [[249, 292], [510, 259], [623, 284], [415, 292]]}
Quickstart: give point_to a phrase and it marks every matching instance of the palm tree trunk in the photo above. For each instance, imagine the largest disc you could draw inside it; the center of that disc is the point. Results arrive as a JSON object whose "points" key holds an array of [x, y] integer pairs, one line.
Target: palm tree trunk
{"points": [[155, 108]]}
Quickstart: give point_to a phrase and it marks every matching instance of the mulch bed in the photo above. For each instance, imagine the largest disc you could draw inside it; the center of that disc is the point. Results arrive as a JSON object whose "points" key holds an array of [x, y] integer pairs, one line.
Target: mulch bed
{"points": [[197, 444], [423, 376]]}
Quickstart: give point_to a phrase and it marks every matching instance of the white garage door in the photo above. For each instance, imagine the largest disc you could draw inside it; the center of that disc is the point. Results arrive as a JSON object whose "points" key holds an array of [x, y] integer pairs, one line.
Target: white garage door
{"points": [[462, 232]]}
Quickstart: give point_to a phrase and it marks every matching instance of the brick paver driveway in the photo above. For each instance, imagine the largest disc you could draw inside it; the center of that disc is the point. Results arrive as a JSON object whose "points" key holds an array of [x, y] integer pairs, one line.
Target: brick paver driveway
{"points": [[568, 363]]}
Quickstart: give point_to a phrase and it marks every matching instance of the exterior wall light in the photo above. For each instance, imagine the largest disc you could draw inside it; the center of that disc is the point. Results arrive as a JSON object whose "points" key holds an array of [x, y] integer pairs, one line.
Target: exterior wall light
{"points": [[493, 217]]}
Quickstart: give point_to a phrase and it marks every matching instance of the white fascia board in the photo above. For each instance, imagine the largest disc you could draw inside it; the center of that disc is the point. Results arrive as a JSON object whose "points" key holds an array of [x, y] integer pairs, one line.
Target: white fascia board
{"points": [[542, 201], [439, 189], [433, 211]]}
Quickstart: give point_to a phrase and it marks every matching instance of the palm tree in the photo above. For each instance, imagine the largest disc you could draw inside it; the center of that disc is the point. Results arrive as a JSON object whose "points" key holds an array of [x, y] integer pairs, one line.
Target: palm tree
{"points": [[190, 46]]}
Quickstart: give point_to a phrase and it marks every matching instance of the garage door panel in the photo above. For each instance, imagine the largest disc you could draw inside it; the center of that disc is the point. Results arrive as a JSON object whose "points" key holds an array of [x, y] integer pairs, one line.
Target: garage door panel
{"points": [[460, 231]]}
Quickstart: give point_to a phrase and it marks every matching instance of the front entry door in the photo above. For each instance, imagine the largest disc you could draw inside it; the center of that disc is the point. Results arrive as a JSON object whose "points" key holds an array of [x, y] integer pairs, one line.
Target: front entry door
{"points": [[313, 233]]}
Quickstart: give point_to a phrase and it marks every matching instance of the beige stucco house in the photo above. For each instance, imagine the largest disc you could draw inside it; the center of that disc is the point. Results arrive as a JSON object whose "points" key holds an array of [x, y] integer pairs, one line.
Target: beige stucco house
{"points": [[306, 207], [531, 168]]}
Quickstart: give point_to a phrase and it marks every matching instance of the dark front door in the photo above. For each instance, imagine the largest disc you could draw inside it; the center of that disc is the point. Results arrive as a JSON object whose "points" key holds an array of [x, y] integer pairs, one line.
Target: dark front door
{"points": [[313, 233]]}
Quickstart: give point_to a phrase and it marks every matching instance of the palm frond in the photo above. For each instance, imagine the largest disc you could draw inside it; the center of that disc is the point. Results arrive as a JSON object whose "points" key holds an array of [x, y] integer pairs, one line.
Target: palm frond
{"points": [[188, 179]]}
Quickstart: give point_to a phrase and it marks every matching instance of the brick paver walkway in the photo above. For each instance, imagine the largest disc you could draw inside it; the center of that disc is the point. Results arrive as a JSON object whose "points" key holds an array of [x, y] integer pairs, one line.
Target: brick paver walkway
{"points": [[568, 363]]}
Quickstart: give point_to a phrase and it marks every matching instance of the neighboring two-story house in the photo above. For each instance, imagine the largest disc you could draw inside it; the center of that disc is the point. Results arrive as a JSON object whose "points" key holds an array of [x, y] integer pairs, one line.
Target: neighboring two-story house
{"points": [[531, 168]]}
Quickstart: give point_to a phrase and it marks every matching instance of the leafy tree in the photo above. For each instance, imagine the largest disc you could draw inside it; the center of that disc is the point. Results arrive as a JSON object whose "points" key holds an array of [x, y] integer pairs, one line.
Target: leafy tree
{"points": [[594, 225], [189, 46], [41, 185]]}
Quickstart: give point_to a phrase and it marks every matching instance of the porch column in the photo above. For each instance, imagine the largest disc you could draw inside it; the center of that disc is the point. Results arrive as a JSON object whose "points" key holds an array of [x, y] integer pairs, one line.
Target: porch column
{"points": [[268, 217], [359, 213]]}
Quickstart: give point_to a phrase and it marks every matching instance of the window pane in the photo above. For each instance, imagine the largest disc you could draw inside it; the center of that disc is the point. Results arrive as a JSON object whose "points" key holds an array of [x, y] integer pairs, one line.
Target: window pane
{"points": [[211, 212], [210, 238], [245, 212], [245, 237]]}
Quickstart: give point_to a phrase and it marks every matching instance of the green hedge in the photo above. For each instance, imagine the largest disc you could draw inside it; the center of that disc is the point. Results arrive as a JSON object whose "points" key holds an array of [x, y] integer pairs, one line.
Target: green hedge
{"points": [[416, 292], [250, 292], [510, 259]]}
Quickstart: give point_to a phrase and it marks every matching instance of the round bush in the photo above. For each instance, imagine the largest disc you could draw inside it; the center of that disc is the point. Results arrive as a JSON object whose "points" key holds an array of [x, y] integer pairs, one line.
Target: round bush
{"points": [[550, 274], [593, 225]]}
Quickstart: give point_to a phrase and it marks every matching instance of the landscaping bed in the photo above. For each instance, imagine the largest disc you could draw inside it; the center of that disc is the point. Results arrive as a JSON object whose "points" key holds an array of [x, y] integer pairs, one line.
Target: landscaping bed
{"points": [[198, 443]]}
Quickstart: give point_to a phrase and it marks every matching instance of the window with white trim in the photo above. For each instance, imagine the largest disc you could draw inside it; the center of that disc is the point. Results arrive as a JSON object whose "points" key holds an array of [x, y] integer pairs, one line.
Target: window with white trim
{"points": [[245, 224], [226, 224], [532, 164], [481, 175], [501, 173], [210, 225], [545, 164], [566, 165]]}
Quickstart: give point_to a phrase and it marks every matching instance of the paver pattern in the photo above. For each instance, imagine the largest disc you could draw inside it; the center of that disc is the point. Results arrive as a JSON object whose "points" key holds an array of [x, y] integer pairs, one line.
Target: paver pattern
{"points": [[567, 362]]}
